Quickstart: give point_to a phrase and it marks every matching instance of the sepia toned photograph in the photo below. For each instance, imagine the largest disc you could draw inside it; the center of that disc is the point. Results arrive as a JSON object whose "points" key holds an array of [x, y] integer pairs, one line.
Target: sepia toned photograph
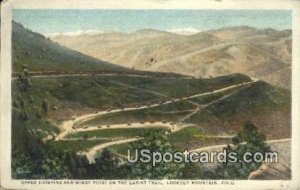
{"points": [[191, 95]]}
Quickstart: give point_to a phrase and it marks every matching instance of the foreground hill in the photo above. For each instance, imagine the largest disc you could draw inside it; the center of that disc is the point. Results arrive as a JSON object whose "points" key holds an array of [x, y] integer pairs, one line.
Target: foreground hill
{"points": [[264, 54]]}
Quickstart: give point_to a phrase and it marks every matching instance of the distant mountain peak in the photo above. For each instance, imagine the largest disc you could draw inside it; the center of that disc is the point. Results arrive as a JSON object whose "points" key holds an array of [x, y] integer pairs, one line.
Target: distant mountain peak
{"points": [[148, 31], [184, 31], [76, 33]]}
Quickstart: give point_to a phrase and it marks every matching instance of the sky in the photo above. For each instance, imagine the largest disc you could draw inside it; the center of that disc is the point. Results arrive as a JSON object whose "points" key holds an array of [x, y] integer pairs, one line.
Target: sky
{"points": [[54, 22]]}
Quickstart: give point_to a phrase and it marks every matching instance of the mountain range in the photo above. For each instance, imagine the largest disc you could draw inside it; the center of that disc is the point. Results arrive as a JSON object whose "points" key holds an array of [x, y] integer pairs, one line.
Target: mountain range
{"points": [[260, 53]]}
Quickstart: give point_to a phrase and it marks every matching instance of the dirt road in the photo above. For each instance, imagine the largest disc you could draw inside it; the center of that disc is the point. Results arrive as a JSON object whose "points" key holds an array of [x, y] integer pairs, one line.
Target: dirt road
{"points": [[221, 146], [69, 126], [100, 74], [91, 153]]}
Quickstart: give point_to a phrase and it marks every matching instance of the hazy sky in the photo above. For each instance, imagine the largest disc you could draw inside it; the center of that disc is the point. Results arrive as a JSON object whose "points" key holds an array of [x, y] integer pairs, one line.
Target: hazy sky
{"points": [[64, 21]]}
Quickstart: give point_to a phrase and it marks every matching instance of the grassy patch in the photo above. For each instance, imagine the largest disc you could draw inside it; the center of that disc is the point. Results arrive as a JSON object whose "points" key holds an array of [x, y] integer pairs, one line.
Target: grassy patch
{"points": [[212, 97], [120, 148], [179, 87], [113, 133], [136, 116], [74, 146], [191, 137], [185, 134], [169, 112], [97, 92], [187, 138], [176, 139]]}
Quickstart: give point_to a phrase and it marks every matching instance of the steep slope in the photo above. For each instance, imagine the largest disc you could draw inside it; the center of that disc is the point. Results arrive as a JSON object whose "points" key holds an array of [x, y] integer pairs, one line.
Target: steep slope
{"points": [[267, 106], [259, 53], [41, 54]]}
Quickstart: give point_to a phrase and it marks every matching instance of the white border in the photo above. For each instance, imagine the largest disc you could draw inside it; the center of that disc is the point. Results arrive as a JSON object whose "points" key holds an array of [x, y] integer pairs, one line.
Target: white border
{"points": [[5, 85]]}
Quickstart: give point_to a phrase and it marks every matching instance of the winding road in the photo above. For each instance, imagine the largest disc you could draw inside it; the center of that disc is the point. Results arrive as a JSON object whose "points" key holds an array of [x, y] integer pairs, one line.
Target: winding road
{"points": [[99, 74], [92, 152], [221, 146], [69, 126]]}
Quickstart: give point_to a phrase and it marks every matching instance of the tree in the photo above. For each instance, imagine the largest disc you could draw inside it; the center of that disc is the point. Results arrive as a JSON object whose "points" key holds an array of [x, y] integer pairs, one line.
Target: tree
{"points": [[106, 166], [252, 136], [82, 167], [24, 115], [21, 165], [24, 78], [191, 171], [45, 106], [249, 139], [85, 136], [154, 141], [71, 162], [52, 167]]}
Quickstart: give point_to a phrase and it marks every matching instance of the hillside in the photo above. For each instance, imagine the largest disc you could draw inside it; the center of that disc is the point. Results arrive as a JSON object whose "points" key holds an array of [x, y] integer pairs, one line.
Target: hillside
{"points": [[217, 113], [267, 106], [41, 54], [263, 54]]}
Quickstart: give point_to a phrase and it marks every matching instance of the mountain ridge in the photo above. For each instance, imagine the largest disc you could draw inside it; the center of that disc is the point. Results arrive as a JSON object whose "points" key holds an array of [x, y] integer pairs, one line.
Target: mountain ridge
{"points": [[222, 51], [43, 56]]}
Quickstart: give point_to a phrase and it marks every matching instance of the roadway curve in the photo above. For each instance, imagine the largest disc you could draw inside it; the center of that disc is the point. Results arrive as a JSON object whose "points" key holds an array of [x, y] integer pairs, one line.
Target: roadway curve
{"points": [[99, 74], [221, 146], [92, 152], [68, 126]]}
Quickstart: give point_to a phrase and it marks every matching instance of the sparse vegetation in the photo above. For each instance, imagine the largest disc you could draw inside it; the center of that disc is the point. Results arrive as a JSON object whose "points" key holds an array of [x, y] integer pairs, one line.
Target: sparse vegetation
{"points": [[114, 133], [74, 145], [152, 115]]}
